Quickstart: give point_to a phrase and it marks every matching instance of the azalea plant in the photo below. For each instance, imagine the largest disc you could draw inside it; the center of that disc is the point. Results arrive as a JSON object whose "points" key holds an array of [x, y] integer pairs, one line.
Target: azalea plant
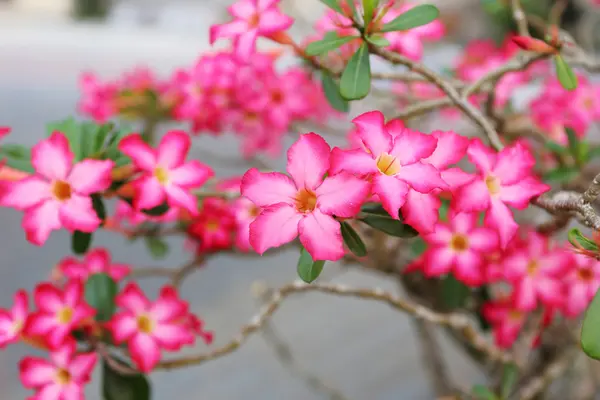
{"points": [[481, 228]]}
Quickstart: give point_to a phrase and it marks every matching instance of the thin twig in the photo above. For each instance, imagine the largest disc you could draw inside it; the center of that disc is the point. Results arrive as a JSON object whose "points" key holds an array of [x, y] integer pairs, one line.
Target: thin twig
{"points": [[520, 17], [553, 371], [114, 364]]}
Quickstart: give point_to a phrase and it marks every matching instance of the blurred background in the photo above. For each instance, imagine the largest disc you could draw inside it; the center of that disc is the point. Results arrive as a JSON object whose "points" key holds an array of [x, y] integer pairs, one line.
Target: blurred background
{"points": [[358, 350]]}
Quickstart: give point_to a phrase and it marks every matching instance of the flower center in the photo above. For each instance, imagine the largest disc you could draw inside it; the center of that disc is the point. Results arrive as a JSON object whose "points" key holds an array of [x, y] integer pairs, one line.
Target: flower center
{"points": [[65, 315], [388, 164], [532, 267], [144, 324], [161, 175], [492, 184], [61, 190], [254, 211], [585, 274], [212, 225], [459, 243], [515, 315], [253, 20], [63, 377], [17, 326], [306, 200]]}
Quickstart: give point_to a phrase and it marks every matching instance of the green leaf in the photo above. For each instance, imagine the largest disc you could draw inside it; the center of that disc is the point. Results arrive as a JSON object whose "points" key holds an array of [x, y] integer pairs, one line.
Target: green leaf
{"points": [[98, 205], [368, 10], [80, 242], [573, 141], [378, 40], [157, 247], [375, 208], [356, 79], [555, 147], [100, 292], [590, 331], [416, 16], [352, 6], [483, 296], [577, 239], [565, 74], [16, 156], [123, 387], [332, 93], [327, 44], [72, 131], [454, 292], [353, 240], [594, 152], [418, 247], [308, 269], [444, 208], [157, 211], [333, 4], [561, 174], [509, 378], [101, 135], [389, 225], [483, 393]]}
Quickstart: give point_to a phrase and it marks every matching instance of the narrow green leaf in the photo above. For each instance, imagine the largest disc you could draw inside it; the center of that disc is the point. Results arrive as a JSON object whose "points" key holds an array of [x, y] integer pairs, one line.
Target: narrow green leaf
{"points": [[565, 74], [418, 247], [594, 152], [352, 7], [328, 44], [157, 247], [332, 93], [375, 208], [16, 156], [561, 174], [98, 205], [308, 269], [157, 211], [555, 147], [509, 378], [100, 292], [378, 40], [454, 292], [123, 387], [590, 331], [576, 237], [80, 242], [483, 296], [483, 393], [356, 78], [101, 135], [573, 141], [416, 16], [444, 208], [353, 240], [333, 4], [368, 10], [389, 225]]}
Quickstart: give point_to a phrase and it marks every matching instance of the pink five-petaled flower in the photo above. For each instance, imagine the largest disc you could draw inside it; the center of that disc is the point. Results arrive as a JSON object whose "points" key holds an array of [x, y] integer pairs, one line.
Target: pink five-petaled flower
{"points": [[536, 271], [506, 319], [165, 174], [60, 378], [59, 193], [59, 312], [504, 178], [459, 247], [252, 18], [582, 283], [12, 321], [305, 204], [147, 327], [391, 160], [95, 262]]}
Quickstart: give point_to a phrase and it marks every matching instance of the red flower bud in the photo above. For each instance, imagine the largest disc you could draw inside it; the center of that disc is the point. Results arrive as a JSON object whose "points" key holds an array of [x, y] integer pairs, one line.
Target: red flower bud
{"points": [[535, 45]]}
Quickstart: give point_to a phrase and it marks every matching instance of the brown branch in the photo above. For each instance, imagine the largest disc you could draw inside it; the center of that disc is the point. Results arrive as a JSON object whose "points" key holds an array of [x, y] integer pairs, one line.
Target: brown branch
{"points": [[570, 202], [175, 275], [457, 322], [552, 371], [112, 363], [520, 17]]}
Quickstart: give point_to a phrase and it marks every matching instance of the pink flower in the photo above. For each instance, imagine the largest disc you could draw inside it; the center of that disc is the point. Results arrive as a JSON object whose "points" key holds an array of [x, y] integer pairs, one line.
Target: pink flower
{"points": [[12, 321], [59, 312], [125, 212], [582, 283], [98, 100], [165, 174], [149, 327], [245, 212], [459, 247], [536, 271], [506, 319], [61, 378], [4, 130], [96, 261], [303, 205], [393, 160], [214, 227], [58, 195], [504, 179], [252, 18]]}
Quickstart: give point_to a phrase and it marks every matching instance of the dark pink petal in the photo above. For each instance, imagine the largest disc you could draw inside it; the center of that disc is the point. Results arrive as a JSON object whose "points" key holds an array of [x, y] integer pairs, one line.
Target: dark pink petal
{"points": [[525, 294], [82, 366], [133, 299], [73, 293], [173, 149], [58, 335], [482, 156], [21, 307], [483, 240], [412, 146], [438, 261], [91, 176], [451, 147], [179, 197], [144, 352], [52, 391], [191, 174], [355, 161], [371, 130], [456, 177], [342, 195], [550, 291], [123, 327], [141, 154], [422, 177], [440, 237], [392, 192], [265, 189], [264, 4], [228, 30], [515, 265], [172, 337], [168, 306], [520, 194], [72, 392], [513, 164], [52, 157], [149, 193], [473, 196], [274, 21], [421, 210], [577, 299], [469, 268], [243, 9], [321, 236], [462, 222], [36, 372], [40, 221], [308, 161], [245, 44], [26, 193], [501, 218], [47, 297], [78, 213], [40, 324], [119, 271], [276, 225], [97, 260]]}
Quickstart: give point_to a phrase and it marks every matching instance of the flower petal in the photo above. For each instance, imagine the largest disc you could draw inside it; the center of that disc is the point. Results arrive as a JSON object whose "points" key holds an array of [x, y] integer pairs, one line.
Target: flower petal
{"points": [[172, 337], [412, 146], [123, 326], [228, 30], [36, 372], [265, 189], [355, 161], [145, 352], [133, 299], [451, 147], [481, 155], [141, 154], [513, 164], [456, 177], [525, 294], [245, 44], [469, 268], [149, 193], [483, 240], [91, 176], [501, 218], [191, 174], [520, 194], [421, 210], [342, 195], [82, 365], [173, 149], [321, 236], [276, 225], [52, 157], [371, 129], [422, 177], [26, 193], [308, 161], [78, 213], [179, 197], [438, 261], [40, 221], [473, 196], [243, 9]]}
